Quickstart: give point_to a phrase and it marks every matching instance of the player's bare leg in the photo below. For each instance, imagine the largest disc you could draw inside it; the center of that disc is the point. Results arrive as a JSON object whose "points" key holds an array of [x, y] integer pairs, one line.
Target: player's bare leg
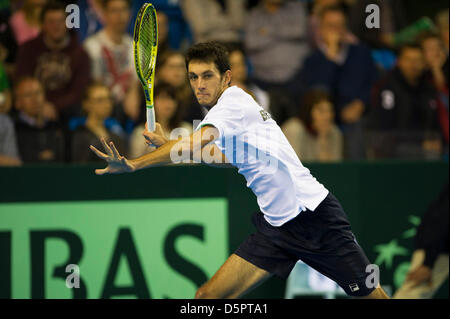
{"points": [[234, 278], [378, 293]]}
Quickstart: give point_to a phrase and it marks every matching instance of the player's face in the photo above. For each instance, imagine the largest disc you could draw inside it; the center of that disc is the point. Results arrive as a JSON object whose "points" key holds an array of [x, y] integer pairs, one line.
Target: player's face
{"points": [[207, 82]]}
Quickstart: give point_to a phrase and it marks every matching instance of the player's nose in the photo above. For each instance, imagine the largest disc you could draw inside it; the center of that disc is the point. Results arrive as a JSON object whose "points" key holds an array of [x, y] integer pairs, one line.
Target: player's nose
{"points": [[201, 84]]}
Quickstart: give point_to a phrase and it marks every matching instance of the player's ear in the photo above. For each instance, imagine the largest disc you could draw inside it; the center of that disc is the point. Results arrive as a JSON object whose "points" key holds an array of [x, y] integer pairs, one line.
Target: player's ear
{"points": [[227, 77]]}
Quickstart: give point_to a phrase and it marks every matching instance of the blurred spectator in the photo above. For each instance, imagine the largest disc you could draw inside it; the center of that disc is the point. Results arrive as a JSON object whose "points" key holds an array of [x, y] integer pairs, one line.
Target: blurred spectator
{"points": [[348, 72], [171, 69], [392, 20], [168, 115], [314, 22], [26, 22], [215, 20], [313, 134], [442, 24], [39, 137], [436, 59], [5, 92], [57, 60], [8, 44], [240, 78], [429, 263], [91, 18], [405, 102], [276, 43], [437, 66], [98, 105], [112, 61], [9, 154], [179, 35], [163, 32]]}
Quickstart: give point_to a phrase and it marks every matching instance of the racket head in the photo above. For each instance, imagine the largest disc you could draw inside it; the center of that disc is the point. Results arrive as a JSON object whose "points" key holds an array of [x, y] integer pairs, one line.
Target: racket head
{"points": [[145, 46]]}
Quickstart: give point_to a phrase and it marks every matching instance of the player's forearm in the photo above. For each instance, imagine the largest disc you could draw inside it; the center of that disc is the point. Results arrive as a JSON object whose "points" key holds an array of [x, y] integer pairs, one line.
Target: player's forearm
{"points": [[171, 152], [159, 157]]}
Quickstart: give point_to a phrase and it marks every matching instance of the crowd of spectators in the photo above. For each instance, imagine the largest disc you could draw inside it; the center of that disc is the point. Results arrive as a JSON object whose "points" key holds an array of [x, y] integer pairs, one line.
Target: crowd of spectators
{"points": [[338, 89]]}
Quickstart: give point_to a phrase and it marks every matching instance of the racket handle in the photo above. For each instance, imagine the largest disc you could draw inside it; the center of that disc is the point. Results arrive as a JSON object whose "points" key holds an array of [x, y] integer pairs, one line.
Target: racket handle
{"points": [[151, 122]]}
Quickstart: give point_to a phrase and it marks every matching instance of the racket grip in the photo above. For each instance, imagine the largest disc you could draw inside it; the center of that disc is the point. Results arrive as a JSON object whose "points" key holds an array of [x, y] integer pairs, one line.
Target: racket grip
{"points": [[151, 122]]}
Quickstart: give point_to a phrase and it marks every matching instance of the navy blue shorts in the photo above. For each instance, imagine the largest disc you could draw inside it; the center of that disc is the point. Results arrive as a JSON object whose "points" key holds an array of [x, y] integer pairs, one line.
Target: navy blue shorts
{"points": [[321, 239]]}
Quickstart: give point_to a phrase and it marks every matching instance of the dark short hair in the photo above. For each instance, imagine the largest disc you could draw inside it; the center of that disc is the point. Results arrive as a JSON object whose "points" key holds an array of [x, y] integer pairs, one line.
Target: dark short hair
{"points": [[165, 56], [332, 8], [23, 79], [106, 2], [165, 88], [93, 85], [308, 101], [52, 6], [209, 52], [408, 46], [425, 35]]}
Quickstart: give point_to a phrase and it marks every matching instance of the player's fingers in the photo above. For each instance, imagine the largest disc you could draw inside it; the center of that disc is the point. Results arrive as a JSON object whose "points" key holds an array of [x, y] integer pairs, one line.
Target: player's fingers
{"points": [[114, 150], [101, 171], [147, 136], [123, 161], [107, 148], [98, 153]]}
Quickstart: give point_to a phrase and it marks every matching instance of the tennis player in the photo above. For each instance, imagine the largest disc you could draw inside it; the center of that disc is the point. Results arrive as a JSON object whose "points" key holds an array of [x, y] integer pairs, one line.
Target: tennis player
{"points": [[299, 219]]}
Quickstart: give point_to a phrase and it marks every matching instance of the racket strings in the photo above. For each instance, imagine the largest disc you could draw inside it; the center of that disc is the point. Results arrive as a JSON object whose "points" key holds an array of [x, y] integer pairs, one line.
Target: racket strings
{"points": [[147, 39]]}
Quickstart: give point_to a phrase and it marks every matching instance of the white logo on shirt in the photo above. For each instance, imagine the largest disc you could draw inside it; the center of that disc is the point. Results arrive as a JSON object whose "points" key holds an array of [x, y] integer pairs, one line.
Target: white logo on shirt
{"points": [[265, 115]]}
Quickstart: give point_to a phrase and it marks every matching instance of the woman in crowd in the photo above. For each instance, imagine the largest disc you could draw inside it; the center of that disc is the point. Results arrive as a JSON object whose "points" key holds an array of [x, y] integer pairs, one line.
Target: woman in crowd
{"points": [[168, 115], [240, 78], [98, 105], [171, 69], [313, 134]]}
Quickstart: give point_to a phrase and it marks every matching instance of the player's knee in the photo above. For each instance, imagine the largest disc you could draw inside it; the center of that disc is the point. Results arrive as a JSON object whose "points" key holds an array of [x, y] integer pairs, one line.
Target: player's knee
{"points": [[204, 293]]}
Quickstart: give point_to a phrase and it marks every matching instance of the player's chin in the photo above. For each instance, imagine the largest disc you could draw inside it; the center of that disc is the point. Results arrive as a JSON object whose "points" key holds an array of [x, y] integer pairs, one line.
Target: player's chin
{"points": [[204, 103]]}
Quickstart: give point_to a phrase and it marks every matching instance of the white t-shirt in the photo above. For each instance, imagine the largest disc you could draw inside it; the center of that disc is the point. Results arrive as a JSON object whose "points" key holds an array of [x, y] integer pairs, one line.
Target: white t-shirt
{"points": [[111, 63], [254, 143]]}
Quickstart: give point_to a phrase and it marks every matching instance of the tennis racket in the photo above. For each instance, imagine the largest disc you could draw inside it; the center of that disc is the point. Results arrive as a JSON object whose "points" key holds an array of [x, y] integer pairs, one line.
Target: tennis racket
{"points": [[145, 45]]}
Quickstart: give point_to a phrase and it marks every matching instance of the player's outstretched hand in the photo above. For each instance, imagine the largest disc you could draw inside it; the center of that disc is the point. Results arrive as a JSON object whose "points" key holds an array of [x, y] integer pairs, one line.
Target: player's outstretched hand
{"points": [[156, 138], [116, 163]]}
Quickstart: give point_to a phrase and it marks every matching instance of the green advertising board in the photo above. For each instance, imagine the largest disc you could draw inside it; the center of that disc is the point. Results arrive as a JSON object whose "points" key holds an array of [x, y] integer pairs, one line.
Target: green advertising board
{"points": [[127, 249]]}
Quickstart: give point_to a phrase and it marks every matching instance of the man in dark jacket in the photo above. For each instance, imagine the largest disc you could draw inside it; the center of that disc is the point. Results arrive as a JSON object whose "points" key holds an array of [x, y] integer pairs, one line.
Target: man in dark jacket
{"points": [[347, 71], [39, 138], [404, 109]]}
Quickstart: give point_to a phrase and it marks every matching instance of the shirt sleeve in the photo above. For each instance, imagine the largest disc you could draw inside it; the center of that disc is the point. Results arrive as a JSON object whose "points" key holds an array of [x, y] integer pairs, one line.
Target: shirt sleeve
{"points": [[227, 118]]}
